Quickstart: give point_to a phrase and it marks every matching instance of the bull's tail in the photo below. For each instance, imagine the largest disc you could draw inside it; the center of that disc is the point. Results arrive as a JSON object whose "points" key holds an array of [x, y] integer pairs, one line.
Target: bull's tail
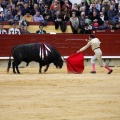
{"points": [[9, 62]]}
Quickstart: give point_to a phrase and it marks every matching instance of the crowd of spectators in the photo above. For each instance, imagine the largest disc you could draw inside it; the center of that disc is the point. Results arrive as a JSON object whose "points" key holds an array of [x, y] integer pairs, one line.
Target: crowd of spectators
{"points": [[83, 17]]}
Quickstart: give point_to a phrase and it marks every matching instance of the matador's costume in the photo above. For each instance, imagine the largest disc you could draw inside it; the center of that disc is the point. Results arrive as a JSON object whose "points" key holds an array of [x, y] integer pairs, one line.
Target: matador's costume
{"points": [[95, 45]]}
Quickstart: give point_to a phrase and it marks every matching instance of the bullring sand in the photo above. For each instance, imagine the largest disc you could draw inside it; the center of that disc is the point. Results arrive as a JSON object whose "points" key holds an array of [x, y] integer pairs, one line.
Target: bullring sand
{"points": [[57, 95]]}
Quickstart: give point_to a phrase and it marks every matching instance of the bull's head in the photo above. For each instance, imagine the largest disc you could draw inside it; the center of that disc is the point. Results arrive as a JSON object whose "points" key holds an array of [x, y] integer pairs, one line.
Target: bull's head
{"points": [[58, 63]]}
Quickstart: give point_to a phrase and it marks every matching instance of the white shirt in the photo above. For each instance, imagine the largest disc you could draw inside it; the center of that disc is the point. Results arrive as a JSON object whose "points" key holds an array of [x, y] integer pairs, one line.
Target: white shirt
{"points": [[94, 43], [14, 31], [1, 9], [102, 17], [3, 31]]}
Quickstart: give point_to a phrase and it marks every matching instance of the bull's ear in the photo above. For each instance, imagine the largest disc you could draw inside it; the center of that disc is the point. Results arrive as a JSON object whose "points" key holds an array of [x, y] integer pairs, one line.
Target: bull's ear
{"points": [[63, 58]]}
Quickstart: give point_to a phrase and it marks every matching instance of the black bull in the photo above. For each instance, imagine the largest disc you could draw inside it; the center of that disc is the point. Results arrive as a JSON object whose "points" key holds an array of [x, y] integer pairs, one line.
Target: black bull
{"points": [[44, 54]]}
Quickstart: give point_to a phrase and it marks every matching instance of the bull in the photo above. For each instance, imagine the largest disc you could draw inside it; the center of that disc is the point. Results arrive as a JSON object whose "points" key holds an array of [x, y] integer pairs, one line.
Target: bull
{"points": [[44, 54]]}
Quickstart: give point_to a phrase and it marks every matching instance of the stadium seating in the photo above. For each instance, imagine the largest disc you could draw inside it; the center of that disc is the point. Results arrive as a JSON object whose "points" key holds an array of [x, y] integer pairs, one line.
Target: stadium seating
{"points": [[50, 28]]}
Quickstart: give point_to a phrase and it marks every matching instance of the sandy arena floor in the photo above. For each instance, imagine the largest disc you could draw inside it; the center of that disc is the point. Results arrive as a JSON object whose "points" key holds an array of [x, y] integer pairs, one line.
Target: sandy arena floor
{"points": [[57, 95]]}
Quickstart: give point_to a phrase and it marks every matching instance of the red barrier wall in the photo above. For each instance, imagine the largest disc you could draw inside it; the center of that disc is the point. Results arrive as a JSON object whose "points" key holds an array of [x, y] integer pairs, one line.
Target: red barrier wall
{"points": [[66, 44]]}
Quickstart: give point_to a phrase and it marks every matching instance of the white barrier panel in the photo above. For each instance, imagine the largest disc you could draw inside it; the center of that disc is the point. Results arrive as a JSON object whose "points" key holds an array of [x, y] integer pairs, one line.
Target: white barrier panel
{"points": [[86, 57]]}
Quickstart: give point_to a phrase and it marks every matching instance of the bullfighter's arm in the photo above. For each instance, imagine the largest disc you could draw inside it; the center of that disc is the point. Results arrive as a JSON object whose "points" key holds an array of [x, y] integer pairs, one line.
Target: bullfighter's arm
{"points": [[85, 47]]}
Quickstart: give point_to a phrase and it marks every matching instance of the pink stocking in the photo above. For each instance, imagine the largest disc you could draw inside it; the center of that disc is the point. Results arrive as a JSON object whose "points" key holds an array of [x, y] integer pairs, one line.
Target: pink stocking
{"points": [[107, 68], [93, 67]]}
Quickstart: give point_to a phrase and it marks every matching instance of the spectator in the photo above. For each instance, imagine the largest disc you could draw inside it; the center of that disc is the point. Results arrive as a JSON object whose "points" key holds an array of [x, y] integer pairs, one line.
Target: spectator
{"points": [[54, 11], [84, 3], [28, 17], [47, 14], [62, 2], [82, 19], [1, 9], [25, 9], [47, 2], [15, 10], [25, 31], [2, 31], [14, 30], [103, 17], [74, 22], [104, 12], [8, 8], [35, 8], [31, 4], [65, 11], [116, 21], [93, 9], [96, 20], [65, 19], [3, 3], [115, 5], [118, 10], [38, 17], [1, 16], [95, 25], [104, 26], [83, 9], [67, 5], [55, 3], [87, 20], [98, 6], [117, 26], [20, 3], [106, 4], [10, 2], [15, 2], [118, 2], [18, 18], [40, 31], [111, 13], [8, 17], [86, 29], [41, 6], [57, 19], [75, 9]]}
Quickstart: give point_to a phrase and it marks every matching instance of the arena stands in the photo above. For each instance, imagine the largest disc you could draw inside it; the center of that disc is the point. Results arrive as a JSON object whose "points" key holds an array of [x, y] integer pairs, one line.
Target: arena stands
{"points": [[98, 15]]}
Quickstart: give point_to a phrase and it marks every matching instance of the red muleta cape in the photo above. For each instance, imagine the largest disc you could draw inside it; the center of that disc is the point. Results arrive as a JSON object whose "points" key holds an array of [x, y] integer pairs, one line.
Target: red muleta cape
{"points": [[75, 63]]}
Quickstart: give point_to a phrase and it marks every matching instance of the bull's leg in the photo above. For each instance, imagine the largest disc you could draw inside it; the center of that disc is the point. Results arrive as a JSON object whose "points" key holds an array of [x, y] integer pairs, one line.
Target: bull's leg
{"points": [[40, 68], [47, 66], [17, 67], [13, 65]]}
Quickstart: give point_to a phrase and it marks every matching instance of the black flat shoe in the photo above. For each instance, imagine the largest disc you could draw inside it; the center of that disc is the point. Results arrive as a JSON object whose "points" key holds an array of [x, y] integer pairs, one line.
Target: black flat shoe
{"points": [[110, 72], [93, 72]]}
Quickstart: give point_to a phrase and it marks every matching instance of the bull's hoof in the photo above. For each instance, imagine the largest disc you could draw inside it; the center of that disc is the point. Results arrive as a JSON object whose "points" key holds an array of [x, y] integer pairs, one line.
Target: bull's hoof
{"points": [[45, 70], [14, 72]]}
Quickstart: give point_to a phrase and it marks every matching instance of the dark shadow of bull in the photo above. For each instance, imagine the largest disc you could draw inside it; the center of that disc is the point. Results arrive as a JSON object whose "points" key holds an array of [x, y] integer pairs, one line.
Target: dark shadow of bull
{"points": [[44, 54]]}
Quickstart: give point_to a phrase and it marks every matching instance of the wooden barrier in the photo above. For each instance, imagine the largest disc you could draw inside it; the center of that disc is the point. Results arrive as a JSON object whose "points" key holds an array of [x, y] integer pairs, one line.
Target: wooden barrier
{"points": [[66, 44], [107, 31]]}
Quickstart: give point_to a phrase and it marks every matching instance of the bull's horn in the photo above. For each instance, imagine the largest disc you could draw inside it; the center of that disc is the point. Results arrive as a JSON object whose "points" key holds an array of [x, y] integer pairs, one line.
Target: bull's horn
{"points": [[63, 58]]}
